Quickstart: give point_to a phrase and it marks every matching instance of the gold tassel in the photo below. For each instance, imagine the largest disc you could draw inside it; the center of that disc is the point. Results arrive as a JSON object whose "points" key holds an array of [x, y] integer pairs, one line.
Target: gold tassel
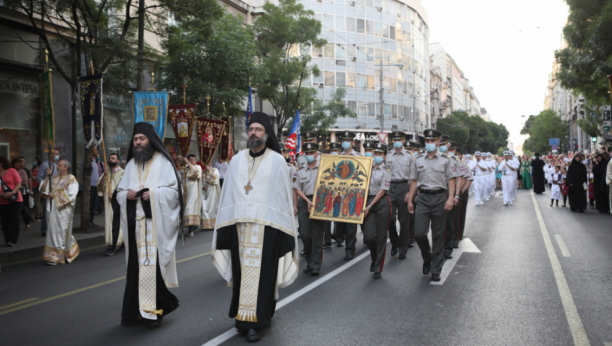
{"points": [[156, 312]]}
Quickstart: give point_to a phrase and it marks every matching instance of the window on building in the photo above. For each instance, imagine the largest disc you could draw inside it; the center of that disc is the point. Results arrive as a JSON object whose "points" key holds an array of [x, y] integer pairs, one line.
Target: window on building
{"points": [[330, 78], [361, 26], [317, 52], [340, 26], [351, 51], [341, 52], [371, 83], [385, 30], [393, 111], [369, 27], [351, 80], [387, 111], [393, 85], [392, 32], [369, 3], [340, 62], [340, 79], [378, 55], [371, 110], [316, 80], [352, 105], [350, 24], [329, 50], [328, 21], [378, 31], [362, 81], [400, 111]]}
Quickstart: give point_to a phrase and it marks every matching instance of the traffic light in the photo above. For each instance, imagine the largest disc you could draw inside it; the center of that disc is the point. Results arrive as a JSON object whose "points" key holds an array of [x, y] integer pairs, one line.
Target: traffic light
{"points": [[593, 139]]}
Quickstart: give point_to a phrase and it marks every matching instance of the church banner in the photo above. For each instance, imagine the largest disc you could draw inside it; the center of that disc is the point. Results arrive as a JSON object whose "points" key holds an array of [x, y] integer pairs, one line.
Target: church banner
{"points": [[225, 152], [209, 136], [48, 120], [152, 107], [92, 109], [341, 189], [182, 117]]}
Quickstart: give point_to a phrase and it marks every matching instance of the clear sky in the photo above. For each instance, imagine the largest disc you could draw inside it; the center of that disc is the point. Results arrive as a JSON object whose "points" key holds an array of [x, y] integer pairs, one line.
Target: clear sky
{"points": [[505, 48]]}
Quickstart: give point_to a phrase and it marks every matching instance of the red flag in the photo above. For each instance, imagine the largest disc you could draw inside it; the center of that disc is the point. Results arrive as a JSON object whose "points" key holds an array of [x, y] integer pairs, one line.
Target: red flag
{"points": [[182, 117], [210, 132]]}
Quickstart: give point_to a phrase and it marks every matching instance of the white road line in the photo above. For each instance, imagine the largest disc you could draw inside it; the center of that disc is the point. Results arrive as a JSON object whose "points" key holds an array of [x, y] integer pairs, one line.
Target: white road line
{"points": [[232, 332], [564, 250], [571, 312], [466, 245]]}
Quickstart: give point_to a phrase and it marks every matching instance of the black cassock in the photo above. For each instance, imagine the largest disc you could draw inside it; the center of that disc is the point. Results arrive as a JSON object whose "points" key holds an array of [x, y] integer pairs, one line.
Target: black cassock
{"points": [[602, 201], [166, 301], [576, 178], [275, 245], [537, 175]]}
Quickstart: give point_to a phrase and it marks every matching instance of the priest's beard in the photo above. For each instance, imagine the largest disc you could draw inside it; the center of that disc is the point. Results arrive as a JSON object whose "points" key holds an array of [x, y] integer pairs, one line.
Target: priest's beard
{"points": [[256, 142], [144, 153]]}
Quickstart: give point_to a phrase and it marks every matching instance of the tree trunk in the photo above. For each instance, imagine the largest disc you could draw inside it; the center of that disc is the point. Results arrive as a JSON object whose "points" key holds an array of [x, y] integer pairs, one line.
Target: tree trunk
{"points": [[87, 167]]}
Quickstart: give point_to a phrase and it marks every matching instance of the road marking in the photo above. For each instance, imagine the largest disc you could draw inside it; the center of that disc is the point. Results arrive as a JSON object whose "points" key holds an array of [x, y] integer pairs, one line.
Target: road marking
{"points": [[37, 302], [571, 311], [18, 303], [466, 245], [564, 250], [233, 332]]}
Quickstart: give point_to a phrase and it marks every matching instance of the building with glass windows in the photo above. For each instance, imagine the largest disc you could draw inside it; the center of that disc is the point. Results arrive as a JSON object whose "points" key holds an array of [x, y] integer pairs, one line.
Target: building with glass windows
{"points": [[364, 38]]}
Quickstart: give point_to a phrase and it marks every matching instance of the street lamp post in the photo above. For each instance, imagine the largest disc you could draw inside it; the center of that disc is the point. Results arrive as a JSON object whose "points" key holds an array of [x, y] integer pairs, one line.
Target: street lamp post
{"points": [[382, 94]]}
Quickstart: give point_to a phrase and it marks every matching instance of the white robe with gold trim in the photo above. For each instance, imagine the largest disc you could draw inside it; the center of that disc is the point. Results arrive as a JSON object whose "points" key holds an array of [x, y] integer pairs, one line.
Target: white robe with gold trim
{"points": [[103, 192], [193, 195], [210, 202], [60, 245]]}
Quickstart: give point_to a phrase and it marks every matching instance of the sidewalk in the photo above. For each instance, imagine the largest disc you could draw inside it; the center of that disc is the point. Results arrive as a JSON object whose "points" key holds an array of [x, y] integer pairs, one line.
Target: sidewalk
{"points": [[30, 244]]}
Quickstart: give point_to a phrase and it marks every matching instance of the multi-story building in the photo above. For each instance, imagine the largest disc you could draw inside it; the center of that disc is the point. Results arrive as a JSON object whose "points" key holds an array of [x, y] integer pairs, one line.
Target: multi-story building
{"points": [[485, 114]]}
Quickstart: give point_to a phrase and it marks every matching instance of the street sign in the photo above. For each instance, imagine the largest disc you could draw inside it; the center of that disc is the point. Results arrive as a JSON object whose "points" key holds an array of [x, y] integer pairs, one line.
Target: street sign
{"points": [[554, 147], [553, 141], [382, 136]]}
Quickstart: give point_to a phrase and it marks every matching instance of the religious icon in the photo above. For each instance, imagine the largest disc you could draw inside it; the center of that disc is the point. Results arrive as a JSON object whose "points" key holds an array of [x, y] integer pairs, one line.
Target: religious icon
{"points": [[209, 137], [183, 129], [340, 189], [150, 113]]}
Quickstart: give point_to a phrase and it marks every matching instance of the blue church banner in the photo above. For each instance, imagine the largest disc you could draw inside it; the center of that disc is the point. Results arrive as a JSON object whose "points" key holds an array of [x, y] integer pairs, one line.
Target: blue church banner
{"points": [[152, 108]]}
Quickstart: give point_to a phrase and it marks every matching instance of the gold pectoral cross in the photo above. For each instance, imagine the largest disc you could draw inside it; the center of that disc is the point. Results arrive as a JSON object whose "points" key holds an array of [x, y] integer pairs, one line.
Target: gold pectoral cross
{"points": [[248, 187]]}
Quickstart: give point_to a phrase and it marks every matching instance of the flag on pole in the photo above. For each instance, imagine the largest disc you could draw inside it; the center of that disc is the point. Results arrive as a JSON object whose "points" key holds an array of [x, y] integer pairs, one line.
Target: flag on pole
{"points": [[48, 120], [294, 140], [92, 108], [152, 108], [249, 110]]}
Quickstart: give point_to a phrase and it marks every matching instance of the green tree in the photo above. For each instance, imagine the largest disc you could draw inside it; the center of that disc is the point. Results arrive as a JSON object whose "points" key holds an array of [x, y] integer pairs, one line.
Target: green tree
{"points": [[472, 133], [545, 125], [216, 61], [500, 151], [586, 62], [285, 35], [592, 123], [320, 117]]}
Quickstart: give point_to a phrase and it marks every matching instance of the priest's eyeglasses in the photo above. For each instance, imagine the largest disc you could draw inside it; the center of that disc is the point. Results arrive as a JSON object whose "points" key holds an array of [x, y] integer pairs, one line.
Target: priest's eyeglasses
{"points": [[255, 129]]}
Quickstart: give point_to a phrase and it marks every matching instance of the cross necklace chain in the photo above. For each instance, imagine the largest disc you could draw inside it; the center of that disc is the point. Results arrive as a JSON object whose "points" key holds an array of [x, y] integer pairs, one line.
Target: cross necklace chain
{"points": [[252, 170]]}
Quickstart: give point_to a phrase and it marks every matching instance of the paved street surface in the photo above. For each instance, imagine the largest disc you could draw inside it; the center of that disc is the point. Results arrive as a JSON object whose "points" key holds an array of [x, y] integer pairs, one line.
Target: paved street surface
{"points": [[516, 281]]}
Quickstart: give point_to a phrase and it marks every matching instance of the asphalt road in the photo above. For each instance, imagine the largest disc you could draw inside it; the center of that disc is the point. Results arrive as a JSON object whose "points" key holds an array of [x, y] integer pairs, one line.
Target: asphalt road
{"points": [[508, 293]]}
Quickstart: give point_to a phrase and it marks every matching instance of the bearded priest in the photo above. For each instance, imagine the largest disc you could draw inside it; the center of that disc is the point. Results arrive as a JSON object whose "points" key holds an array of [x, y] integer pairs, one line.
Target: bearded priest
{"points": [[255, 243], [150, 200]]}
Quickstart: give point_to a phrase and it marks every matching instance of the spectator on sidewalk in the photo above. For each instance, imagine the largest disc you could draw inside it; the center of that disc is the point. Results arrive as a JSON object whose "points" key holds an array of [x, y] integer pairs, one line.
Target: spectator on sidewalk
{"points": [[51, 163], [24, 189], [10, 207], [222, 167], [37, 211], [97, 168]]}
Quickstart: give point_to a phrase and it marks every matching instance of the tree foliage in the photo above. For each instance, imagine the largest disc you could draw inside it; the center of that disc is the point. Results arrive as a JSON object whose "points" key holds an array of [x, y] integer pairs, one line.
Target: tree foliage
{"points": [[587, 60], [472, 133], [320, 117], [545, 125], [216, 61], [592, 123], [285, 35]]}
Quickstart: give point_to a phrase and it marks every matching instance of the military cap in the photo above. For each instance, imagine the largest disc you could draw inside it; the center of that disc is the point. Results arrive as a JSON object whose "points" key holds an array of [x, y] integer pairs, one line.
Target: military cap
{"points": [[506, 153], [452, 145], [398, 135], [444, 139], [381, 148], [432, 134], [369, 145], [335, 146], [347, 135], [310, 135], [477, 153], [408, 145], [310, 147], [416, 145]]}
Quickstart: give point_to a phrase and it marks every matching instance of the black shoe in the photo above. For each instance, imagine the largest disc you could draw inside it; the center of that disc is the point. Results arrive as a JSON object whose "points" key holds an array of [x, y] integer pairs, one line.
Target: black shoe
{"points": [[376, 276], [348, 257], [190, 234], [121, 248], [156, 324], [455, 246], [448, 255], [307, 270], [326, 246], [393, 251], [314, 272], [303, 253], [339, 244], [91, 224], [253, 335], [372, 268], [402, 256], [10, 244], [426, 268], [109, 251], [241, 331], [44, 234], [411, 244], [435, 277]]}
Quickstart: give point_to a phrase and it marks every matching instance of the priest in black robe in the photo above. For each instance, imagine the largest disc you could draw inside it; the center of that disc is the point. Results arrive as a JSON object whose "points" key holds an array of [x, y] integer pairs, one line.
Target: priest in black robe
{"points": [[255, 243], [150, 202], [537, 174], [576, 180]]}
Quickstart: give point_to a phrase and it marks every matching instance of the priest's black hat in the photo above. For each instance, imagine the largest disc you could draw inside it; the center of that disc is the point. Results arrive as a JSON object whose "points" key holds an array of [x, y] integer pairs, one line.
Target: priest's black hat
{"points": [[264, 120]]}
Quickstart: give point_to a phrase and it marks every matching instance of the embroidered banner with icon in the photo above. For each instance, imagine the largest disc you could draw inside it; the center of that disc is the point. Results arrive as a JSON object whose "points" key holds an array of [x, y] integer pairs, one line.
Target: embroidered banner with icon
{"points": [[182, 117], [92, 109], [226, 152], [209, 133], [341, 189], [48, 121], [152, 107]]}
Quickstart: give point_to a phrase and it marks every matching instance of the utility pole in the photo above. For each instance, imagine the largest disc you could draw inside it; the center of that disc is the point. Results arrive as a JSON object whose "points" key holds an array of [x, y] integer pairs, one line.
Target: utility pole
{"points": [[382, 94], [141, 20]]}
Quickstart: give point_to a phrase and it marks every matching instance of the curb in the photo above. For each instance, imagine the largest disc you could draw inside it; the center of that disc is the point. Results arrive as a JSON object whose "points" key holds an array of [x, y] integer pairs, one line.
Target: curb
{"points": [[35, 252]]}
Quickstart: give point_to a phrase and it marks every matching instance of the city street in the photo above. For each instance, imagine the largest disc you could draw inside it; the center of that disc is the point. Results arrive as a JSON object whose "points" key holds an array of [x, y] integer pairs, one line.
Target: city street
{"points": [[525, 275]]}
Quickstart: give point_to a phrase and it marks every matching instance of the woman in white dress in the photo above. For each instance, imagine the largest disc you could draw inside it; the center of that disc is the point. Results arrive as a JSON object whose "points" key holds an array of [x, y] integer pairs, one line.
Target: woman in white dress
{"points": [[557, 181], [210, 196]]}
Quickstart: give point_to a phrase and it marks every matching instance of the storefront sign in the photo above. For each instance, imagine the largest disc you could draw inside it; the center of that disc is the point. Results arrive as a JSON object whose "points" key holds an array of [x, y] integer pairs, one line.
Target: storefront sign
{"points": [[16, 86], [368, 137]]}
